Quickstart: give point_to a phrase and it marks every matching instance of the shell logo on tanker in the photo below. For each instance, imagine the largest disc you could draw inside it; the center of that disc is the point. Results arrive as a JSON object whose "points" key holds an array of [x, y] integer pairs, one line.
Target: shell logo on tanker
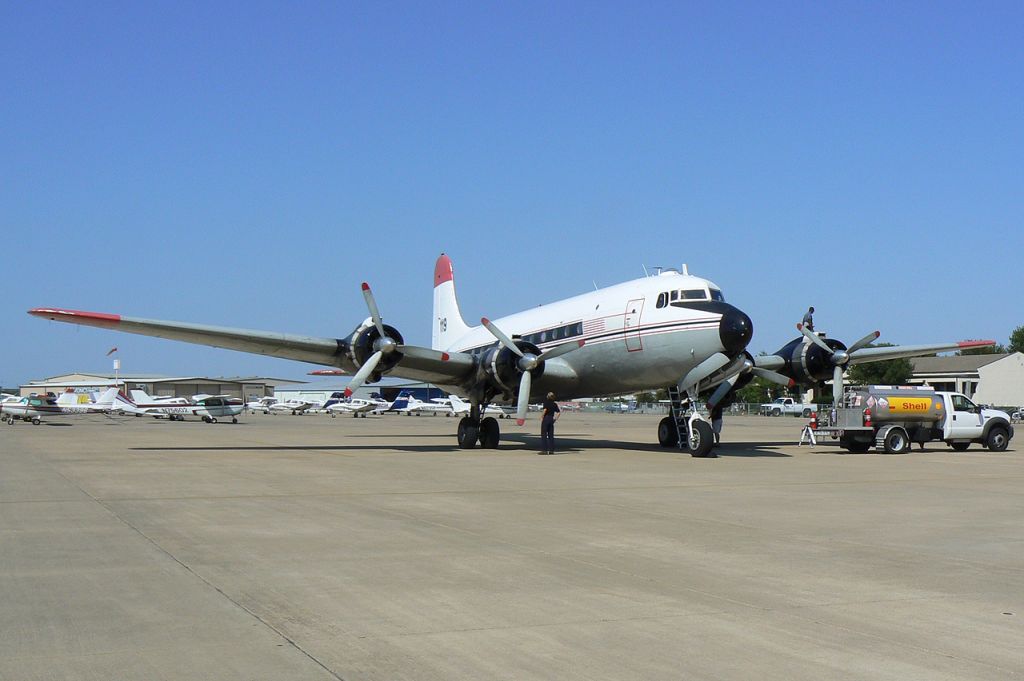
{"points": [[911, 405]]}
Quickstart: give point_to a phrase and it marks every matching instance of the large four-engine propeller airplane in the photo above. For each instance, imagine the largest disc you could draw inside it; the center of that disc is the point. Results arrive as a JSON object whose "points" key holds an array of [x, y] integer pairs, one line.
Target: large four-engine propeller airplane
{"points": [[669, 330]]}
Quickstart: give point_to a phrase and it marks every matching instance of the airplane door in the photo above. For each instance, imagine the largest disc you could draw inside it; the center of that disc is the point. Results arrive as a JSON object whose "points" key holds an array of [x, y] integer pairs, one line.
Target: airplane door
{"points": [[631, 325]]}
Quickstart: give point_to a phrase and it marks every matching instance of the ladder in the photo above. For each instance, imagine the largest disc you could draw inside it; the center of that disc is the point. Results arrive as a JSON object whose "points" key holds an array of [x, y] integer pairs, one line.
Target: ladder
{"points": [[677, 411]]}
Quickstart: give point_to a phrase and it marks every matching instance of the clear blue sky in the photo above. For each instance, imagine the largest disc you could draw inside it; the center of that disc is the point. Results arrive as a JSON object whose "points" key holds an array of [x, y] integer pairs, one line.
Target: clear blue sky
{"points": [[250, 164]]}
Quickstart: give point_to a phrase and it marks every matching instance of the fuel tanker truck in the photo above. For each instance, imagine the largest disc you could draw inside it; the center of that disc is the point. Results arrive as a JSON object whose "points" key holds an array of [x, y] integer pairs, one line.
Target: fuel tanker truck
{"points": [[891, 418]]}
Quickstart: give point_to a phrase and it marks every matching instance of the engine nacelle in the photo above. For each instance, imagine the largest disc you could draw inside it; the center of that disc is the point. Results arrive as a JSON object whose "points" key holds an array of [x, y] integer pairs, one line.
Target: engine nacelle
{"points": [[501, 366], [364, 342], [807, 363]]}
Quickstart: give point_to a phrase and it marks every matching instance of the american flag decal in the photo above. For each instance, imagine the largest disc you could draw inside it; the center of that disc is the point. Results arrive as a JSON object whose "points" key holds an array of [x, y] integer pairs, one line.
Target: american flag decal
{"points": [[593, 326]]}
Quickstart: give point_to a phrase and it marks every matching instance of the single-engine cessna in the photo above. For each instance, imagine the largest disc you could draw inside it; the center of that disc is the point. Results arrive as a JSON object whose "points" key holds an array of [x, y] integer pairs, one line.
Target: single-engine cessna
{"points": [[669, 330], [37, 407]]}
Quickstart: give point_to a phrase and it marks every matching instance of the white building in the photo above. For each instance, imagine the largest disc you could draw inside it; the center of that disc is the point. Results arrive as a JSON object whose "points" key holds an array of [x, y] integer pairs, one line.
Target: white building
{"points": [[996, 379]]}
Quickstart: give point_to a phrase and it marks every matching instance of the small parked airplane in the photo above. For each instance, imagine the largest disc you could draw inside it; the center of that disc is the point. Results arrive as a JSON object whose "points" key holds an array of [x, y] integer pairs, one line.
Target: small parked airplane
{"points": [[358, 407], [460, 407], [207, 407], [35, 407], [407, 404], [670, 330]]}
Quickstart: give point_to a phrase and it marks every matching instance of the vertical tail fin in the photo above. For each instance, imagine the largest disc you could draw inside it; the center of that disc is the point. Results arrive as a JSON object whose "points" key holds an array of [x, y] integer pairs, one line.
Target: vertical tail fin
{"points": [[449, 326]]}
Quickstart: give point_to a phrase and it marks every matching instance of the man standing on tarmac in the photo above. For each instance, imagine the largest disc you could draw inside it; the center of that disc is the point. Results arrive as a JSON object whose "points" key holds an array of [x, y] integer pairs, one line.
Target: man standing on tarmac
{"points": [[548, 417]]}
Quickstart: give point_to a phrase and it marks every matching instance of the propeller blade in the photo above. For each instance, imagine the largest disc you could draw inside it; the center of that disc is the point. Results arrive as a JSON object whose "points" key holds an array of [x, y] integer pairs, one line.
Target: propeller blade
{"points": [[524, 398], [870, 338], [703, 370], [814, 338], [374, 312], [560, 350], [500, 335], [774, 377], [363, 373], [720, 392], [837, 385]]}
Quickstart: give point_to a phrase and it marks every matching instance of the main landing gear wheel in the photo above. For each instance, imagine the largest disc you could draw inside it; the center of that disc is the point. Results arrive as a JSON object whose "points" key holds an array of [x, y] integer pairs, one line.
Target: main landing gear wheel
{"points": [[35, 422], [490, 433], [468, 433], [959, 446], [702, 440], [668, 436], [234, 419]]}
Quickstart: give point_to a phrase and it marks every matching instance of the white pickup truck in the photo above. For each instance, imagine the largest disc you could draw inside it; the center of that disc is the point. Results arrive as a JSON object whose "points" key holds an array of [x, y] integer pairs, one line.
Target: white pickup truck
{"points": [[786, 405], [891, 418]]}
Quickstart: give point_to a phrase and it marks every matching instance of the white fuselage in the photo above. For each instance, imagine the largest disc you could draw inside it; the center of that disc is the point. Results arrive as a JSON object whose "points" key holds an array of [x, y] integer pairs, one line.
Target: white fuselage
{"points": [[631, 343]]}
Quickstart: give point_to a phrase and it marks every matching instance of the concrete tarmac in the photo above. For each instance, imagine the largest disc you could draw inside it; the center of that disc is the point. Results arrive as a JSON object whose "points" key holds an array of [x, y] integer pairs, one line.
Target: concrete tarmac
{"points": [[305, 547]]}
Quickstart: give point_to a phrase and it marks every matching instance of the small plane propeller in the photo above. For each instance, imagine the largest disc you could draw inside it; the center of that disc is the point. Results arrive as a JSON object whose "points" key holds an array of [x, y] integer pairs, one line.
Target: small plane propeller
{"points": [[384, 345], [528, 362], [839, 357]]}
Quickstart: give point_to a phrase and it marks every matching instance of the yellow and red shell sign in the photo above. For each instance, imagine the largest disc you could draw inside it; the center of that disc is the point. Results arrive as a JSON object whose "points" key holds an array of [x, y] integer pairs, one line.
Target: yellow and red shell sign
{"points": [[912, 405]]}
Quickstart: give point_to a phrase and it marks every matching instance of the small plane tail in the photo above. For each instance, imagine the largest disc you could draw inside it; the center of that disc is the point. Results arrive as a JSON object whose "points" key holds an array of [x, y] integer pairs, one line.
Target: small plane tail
{"points": [[449, 326], [106, 399], [458, 405], [69, 399], [140, 397]]}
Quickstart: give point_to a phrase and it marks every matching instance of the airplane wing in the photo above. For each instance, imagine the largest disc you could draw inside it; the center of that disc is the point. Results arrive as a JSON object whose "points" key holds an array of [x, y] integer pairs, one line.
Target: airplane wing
{"points": [[417, 363], [865, 355]]}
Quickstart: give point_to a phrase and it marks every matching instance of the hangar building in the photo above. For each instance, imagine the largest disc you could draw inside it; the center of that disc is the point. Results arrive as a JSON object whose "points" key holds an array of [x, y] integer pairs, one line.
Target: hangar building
{"points": [[159, 386], [996, 379]]}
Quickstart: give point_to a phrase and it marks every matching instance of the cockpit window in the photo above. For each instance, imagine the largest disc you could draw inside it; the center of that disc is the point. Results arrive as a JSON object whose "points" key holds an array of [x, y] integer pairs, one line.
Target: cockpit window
{"points": [[694, 294], [717, 295]]}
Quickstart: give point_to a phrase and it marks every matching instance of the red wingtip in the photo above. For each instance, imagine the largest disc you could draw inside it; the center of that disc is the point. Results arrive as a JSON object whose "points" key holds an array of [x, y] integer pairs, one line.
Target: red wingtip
{"points": [[975, 343], [443, 270], [520, 422], [76, 316]]}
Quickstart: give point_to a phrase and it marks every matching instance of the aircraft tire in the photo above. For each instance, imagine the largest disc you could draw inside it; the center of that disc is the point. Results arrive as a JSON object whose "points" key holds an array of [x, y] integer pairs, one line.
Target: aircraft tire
{"points": [[668, 436], [234, 419], [490, 433], [468, 433], [702, 441], [35, 422], [959, 446], [213, 420]]}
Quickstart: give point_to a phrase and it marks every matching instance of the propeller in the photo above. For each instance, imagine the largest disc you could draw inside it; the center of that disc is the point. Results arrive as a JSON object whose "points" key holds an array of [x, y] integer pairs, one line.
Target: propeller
{"points": [[839, 357], [527, 362], [383, 345]]}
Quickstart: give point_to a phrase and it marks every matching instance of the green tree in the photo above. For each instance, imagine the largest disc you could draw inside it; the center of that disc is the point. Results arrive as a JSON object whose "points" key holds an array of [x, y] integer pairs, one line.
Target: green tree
{"points": [[889, 372], [645, 398], [1017, 340], [757, 391], [998, 348]]}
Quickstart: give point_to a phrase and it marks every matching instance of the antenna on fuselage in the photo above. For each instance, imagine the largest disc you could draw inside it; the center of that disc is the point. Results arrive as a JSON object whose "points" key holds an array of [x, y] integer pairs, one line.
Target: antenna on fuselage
{"points": [[686, 270], [645, 269]]}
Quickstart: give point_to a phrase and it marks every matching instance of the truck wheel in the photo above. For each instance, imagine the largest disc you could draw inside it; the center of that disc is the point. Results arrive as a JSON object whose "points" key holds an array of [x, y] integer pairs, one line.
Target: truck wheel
{"points": [[857, 447], [702, 440], [959, 446], [997, 440], [896, 441], [776, 412], [668, 436]]}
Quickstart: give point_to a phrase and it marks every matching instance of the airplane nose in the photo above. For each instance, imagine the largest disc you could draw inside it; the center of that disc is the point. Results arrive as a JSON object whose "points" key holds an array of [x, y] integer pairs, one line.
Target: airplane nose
{"points": [[735, 329]]}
